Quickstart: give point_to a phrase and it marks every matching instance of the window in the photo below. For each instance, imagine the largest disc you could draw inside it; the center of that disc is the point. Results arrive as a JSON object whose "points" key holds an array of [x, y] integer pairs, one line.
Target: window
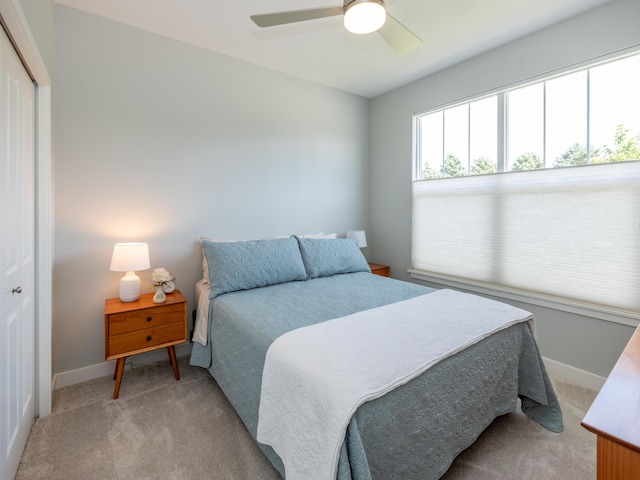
{"points": [[546, 125], [495, 204]]}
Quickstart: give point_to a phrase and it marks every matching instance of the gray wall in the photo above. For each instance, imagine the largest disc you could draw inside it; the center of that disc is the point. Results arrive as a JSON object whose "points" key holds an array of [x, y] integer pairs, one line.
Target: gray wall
{"points": [[41, 20], [162, 142], [584, 343]]}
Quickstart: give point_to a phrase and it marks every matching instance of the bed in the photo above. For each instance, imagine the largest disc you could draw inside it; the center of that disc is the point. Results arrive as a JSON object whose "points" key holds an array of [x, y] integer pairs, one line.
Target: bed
{"points": [[256, 294]]}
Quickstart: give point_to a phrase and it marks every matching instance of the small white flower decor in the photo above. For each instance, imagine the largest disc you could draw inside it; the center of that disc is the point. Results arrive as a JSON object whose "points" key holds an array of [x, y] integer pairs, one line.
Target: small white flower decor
{"points": [[161, 279]]}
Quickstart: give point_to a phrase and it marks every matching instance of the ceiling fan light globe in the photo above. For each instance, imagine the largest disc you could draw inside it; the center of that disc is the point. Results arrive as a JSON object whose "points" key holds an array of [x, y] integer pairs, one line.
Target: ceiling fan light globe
{"points": [[364, 16]]}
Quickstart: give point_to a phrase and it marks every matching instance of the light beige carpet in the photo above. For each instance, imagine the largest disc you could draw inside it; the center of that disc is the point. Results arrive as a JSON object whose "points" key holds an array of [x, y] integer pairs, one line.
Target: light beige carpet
{"points": [[161, 428]]}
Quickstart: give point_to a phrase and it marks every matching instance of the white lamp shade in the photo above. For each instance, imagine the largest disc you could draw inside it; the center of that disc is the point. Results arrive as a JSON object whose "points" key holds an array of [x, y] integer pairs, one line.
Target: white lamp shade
{"points": [[364, 16], [360, 237], [129, 257]]}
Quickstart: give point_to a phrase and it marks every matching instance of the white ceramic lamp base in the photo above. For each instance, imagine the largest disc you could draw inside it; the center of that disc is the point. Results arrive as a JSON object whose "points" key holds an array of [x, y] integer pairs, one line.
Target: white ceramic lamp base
{"points": [[130, 287]]}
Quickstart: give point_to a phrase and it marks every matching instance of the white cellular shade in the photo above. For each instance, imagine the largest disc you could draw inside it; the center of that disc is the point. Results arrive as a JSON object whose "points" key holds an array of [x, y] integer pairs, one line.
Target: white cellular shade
{"points": [[571, 233]]}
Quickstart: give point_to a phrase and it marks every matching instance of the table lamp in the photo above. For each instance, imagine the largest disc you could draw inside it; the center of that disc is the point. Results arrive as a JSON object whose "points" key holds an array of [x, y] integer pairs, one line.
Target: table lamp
{"points": [[360, 237], [129, 257]]}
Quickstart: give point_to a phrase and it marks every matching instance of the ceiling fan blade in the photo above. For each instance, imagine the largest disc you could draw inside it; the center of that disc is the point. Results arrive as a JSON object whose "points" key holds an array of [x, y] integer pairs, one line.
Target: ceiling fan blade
{"points": [[399, 37], [281, 18]]}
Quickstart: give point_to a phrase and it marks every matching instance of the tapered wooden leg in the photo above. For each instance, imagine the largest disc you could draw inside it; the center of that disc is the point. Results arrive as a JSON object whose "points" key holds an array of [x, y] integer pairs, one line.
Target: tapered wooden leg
{"points": [[174, 362], [118, 375]]}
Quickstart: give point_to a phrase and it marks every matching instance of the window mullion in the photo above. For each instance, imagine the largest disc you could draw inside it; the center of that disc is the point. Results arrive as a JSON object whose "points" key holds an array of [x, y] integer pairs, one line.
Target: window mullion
{"points": [[443, 142], [502, 132], [588, 116], [544, 125], [468, 138], [419, 165]]}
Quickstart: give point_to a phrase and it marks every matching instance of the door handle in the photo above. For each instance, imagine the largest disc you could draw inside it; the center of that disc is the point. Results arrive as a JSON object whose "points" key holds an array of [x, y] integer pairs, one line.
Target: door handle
{"points": [[16, 290]]}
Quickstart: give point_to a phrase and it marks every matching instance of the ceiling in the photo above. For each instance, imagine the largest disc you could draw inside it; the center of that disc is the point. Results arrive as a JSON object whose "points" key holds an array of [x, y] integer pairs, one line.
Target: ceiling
{"points": [[322, 51]]}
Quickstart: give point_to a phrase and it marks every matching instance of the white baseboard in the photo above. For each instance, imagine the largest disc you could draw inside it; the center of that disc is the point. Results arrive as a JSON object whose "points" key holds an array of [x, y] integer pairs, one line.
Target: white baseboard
{"points": [[575, 375], [73, 377]]}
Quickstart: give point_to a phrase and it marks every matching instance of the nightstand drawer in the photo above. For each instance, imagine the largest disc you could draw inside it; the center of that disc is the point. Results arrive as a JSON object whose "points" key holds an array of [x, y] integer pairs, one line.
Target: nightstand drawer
{"points": [[140, 319], [129, 342]]}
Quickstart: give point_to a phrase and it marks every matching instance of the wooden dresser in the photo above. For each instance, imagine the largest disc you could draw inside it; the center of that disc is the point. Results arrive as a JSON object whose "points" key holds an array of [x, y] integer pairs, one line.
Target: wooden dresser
{"points": [[615, 417]]}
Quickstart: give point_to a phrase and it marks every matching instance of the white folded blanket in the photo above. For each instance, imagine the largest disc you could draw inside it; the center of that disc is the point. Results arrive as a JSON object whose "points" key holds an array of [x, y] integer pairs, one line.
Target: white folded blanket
{"points": [[316, 377]]}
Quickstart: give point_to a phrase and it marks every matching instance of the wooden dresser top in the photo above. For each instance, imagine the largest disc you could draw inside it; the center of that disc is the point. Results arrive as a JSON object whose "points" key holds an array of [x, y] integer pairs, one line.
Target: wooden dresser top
{"points": [[615, 413]]}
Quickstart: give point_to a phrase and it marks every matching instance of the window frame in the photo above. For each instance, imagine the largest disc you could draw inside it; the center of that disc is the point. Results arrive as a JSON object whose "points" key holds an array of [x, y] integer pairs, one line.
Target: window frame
{"points": [[503, 110]]}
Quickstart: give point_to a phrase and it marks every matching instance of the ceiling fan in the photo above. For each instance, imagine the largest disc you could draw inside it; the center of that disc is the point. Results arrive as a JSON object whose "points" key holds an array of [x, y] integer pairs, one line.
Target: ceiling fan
{"points": [[360, 16]]}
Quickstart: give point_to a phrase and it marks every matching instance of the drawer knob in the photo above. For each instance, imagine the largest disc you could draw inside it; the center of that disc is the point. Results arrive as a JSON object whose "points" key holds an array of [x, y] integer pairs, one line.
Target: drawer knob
{"points": [[148, 319], [149, 338]]}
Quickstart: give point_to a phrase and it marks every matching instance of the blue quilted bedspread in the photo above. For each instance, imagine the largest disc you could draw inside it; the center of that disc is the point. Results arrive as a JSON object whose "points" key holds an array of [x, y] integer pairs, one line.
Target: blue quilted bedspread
{"points": [[415, 431]]}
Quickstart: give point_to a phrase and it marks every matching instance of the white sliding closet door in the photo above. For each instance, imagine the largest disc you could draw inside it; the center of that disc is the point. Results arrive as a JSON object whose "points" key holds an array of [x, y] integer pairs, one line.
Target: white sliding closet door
{"points": [[17, 262]]}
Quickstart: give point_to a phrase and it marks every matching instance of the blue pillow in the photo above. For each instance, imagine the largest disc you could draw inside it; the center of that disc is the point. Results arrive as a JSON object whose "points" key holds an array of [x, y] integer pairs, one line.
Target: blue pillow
{"points": [[326, 257], [251, 264]]}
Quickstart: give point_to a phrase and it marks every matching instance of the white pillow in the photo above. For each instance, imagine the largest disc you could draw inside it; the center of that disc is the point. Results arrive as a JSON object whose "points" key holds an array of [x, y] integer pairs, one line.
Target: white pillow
{"points": [[309, 235], [320, 235]]}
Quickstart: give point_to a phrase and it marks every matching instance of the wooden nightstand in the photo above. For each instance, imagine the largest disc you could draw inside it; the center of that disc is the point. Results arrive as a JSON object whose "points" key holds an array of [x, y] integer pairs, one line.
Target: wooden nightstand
{"points": [[141, 326], [382, 270]]}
